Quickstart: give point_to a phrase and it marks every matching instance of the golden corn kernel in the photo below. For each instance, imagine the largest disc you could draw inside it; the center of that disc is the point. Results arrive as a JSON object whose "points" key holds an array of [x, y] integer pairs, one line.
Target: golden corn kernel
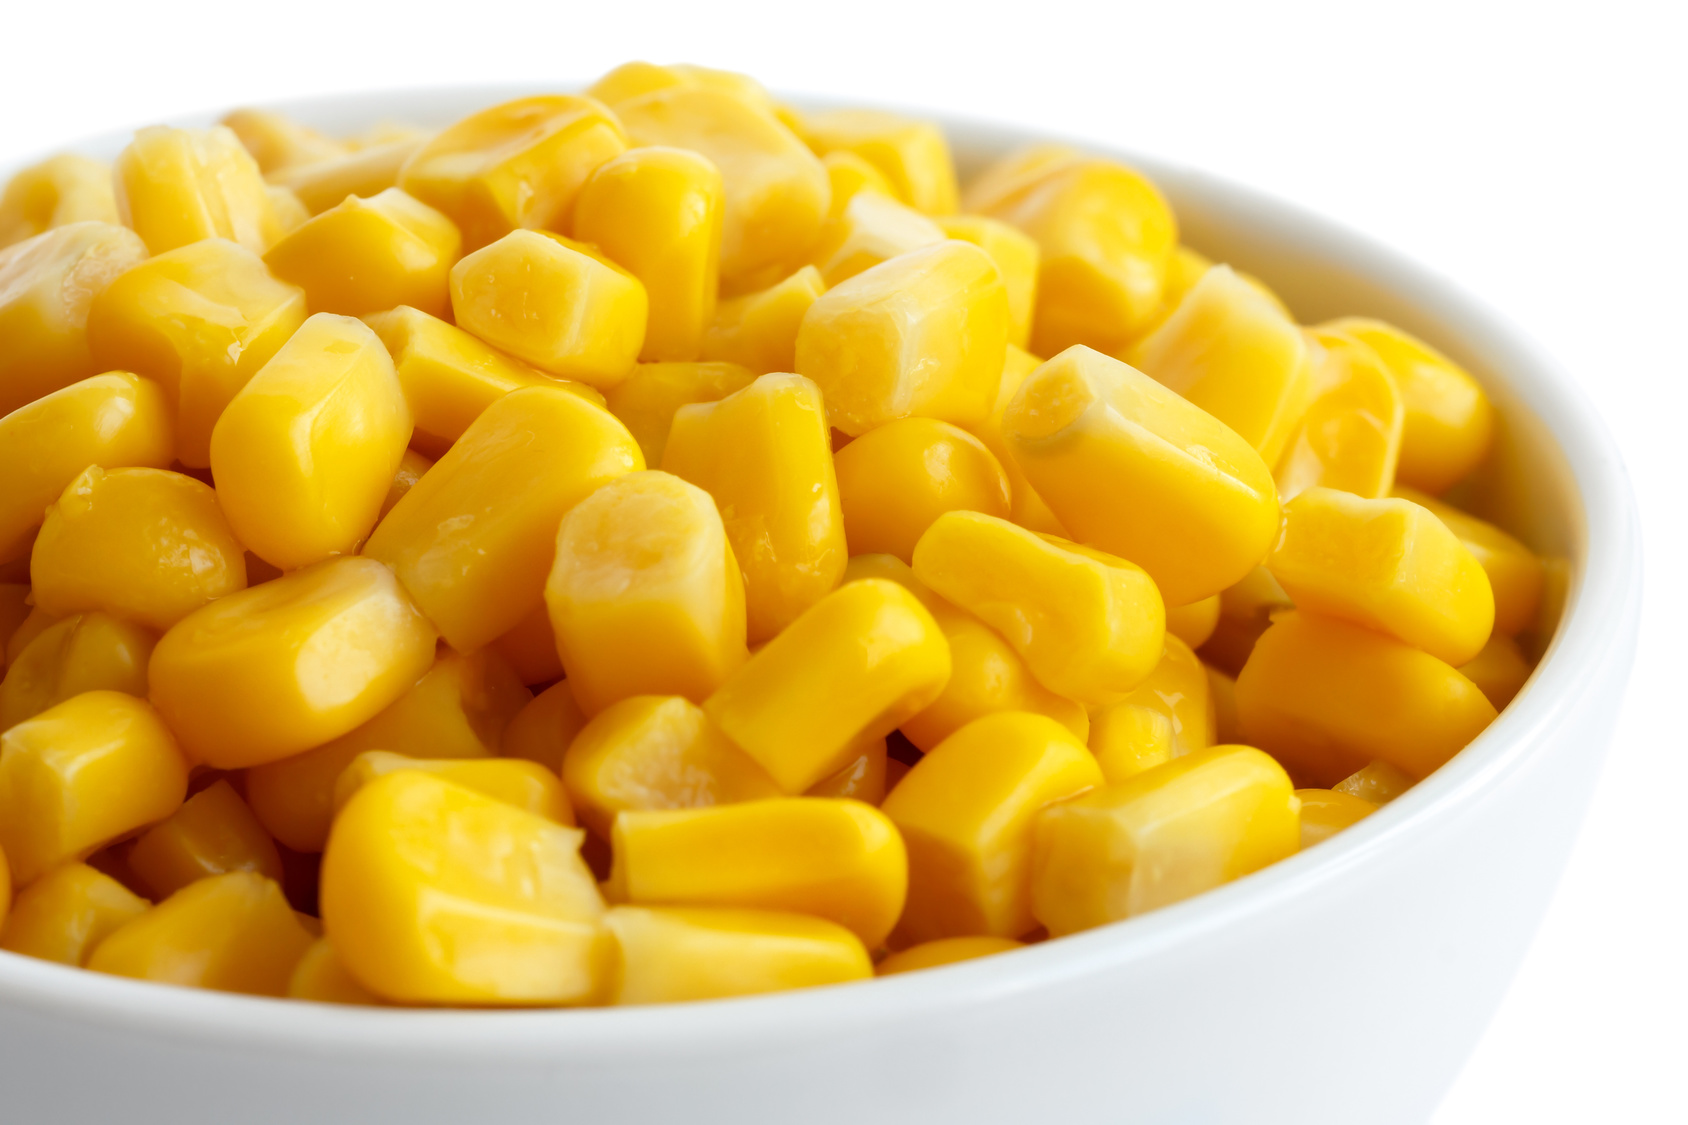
{"points": [[675, 954], [87, 652], [147, 545], [863, 779], [912, 155], [1325, 812], [657, 212], [1128, 738], [531, 648], [647, 400], [411, 467], [290, 211], [305, 452], [896, 479], [46, 286], [32, 626], [230, 933], [433, 893], [838, 860], [1178, 689], [759, 329], [765, 455], [1190, 501], [112, 421], [943, 951], [1376, 782], [1222, 694], [176, 186], [1016, 256], [60, 190], [1089, 626], [922, 334], [1555, 588], [633, 79], [775, 189], [272, 671], [872, 228], [656, 752], [1350, 436], [1448, 422], [473, 540], [849, 175], [555, 303], [14, 611], [366, 255], [1029, 509], [526, 785], [212, 833], [1160, 837], [368, 171], [966, 813], [1183, 270], [543, 729], [201, 320], [1194, 623], [1245, 610], [645, 596], [1499, 671], [1389, 565], [1230, 352], [82, 774], [66, 913], [320, 975], [515, 165], [857, 664], [1325, 697], [458, 710], [1516, 575], [277, 142]]}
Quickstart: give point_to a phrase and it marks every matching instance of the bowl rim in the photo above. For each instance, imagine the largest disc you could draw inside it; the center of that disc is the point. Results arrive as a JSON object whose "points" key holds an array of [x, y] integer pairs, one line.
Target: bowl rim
{"points": [[1602, 603]]}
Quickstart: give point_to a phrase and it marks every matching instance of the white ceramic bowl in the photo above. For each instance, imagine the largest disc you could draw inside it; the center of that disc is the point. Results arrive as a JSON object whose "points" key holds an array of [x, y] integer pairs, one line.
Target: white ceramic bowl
{"points": [[1345, 984]]}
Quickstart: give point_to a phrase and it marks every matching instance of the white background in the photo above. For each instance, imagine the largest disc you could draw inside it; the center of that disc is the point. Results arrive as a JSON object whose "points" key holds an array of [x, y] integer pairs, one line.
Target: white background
{"points": [[1535, 152]]}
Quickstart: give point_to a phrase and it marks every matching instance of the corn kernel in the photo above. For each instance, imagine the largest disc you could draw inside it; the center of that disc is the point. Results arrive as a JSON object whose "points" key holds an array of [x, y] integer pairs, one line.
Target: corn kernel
{"points": [[543, 729], [366, 255], [857, 664], [433, 893], [1389, 565], [1325, 812], [849, 175], [1516, 575], [863, 779], [894, 480], [1555, 588], [646, 401], [1163, 836], [230, 933], [33, 626], [1222, 694], [1029, 509], [272, 671], [66, 913], [1190, 501], [1178, 689], [1245, 610], [320, 975], [759, 330], [1376, 782], [411, 467], [176, 186], [943, 951], [367, 172], [1324, 697], [526, 785], [14, 611], [290, 211], [277, 142], [922, 334], [1183, 270], [1016, 256], [1350, 437], [212, 833], [60, 190], [633, 79], [531, 648], [871, 229], [1194, 623], [513, 166], [201, 320], [1499, 671], [87, 652], [46, 286], [1128, 738], [82, 774], [912, 155], [966, 813]]}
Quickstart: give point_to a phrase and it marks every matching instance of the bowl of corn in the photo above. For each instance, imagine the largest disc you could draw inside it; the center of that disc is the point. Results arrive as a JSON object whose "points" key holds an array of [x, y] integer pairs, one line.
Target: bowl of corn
{"points": [[655, 601]]}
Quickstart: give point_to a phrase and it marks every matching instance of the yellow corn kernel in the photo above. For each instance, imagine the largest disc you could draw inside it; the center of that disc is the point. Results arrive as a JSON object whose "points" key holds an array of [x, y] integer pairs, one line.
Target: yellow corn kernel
{"points": [[856, 665], [1516, 575], [1029, 509], [1499, 671], [636, 78], [458, 710], [656, 752], [657, 212], [1183, 270], [759, 330], [433, 893], [894, 480], [112, 421], [87, 652], [230, 933], [306, 451], [1222, 694], [32, 626], [411, 467], [321, 976], [60, 190], [838, 860], [555, 303], [176, 186], [148, 545], [775, 189], [1178, 689], [1128, 738], [1350, 436], [912, 155], [14, 611], [1194, 623], [66, 913], [202, 320], [272, 671], [1389, 565], [1325, 812], [526, 785], [1376, 782], [676, 954], [82, 774], [212, 833], [473, 540], [366, 171], [543, 730], [277, 142], [1555, 587], [849, 176], [647, 400], [290, 211], [645, 596], [1245, 610], [365, 255], [1163, 836], [966, 812], [1324, 697], [1089, 626], [1232, 353], [1448, 422], [1105, 235], [46, 285], [944, 951], [531, 648], [765, 455], [1016, 256], [923, 334], [872, 228], [863, 779], [515, 165]]}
